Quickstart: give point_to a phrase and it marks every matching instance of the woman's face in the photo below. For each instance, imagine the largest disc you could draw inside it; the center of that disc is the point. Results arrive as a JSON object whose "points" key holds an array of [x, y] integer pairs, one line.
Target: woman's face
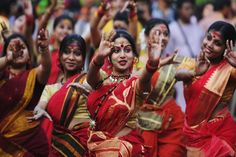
{"points": [[162, 32], [19, 24], [71, 59], [63, 28], [19, 51], [122, 56], [213, 45]]}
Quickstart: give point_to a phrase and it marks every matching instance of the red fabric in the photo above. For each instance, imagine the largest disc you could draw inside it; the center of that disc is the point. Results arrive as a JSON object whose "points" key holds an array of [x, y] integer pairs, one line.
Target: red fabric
{"points": [[32, 140], [55, 107], [113, 114], [170, 137], [215, 137], [55, 70]]}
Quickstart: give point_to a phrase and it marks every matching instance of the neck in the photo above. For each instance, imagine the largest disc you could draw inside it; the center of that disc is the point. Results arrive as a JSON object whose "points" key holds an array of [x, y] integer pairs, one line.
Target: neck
{"points": [[14, 72]]}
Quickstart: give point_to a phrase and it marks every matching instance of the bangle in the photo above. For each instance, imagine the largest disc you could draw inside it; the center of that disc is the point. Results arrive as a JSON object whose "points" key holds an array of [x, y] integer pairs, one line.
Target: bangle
{"points": [[42, 50], [151, 68], [132, 15]]}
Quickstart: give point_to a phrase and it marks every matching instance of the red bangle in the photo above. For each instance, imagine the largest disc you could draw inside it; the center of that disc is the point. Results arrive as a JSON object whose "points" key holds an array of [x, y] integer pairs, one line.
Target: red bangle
{"points": [[151, 68], [29, 20], [132, 14]]}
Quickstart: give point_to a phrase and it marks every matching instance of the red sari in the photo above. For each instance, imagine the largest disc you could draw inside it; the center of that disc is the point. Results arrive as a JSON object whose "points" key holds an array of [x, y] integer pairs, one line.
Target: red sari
{"points": [[115, 111], [18, 137], [62, 107], [210, 133]]}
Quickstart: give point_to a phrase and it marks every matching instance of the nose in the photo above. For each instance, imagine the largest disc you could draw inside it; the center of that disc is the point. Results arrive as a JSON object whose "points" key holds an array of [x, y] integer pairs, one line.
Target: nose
{"points": [[122, 53], [71, 56]]}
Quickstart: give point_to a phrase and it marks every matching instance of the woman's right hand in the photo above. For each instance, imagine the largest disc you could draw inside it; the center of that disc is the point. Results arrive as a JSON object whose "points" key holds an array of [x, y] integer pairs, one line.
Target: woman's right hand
{"points": [[106, 44], [202, 64], [39, 113]]}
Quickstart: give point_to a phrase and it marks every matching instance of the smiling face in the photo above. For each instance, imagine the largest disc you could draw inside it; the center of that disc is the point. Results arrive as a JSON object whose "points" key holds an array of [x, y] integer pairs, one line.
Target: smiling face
{"points": [[20, 52], [163, 31], [71, 59], [64, 28], [213, 45], [122, 56]]}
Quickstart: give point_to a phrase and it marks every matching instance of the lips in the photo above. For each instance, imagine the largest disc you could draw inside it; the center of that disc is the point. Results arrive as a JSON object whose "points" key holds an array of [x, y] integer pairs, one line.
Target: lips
{"points": [[123, 62]]}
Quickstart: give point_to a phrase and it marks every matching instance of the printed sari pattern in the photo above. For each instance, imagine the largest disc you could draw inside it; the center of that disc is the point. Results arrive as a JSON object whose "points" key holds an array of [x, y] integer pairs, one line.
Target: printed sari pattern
{"points": [[207, 135], [112, 116], [62, 107]]}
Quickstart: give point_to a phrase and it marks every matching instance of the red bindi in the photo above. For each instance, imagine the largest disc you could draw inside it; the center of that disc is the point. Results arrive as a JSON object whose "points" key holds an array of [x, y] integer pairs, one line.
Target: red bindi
{"points": [[216, 34]]}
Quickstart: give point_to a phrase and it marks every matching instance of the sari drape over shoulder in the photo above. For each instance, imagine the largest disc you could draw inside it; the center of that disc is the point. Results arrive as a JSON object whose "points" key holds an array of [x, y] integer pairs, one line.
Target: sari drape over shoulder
{"points": [[160, 117], [209, 127], [62, 107], [21, 137], [113, 115]]}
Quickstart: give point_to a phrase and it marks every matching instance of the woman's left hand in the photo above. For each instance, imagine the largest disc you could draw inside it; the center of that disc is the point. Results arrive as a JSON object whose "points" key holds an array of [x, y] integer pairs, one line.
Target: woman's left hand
{"points": [[154, 48], [43, 40], [230, 53], [84, 89]]}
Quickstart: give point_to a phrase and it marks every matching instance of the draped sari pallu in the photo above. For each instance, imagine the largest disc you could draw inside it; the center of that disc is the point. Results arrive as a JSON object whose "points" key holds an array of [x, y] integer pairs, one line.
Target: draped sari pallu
{"points": [[210, 137], [14, 128], [62, 107], [112, 116], [160, 118]]}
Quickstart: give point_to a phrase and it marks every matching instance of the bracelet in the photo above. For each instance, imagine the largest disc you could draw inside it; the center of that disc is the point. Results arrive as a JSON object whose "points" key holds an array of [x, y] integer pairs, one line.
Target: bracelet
{"points": [[151, 68], [132, 15], [42, 50]]}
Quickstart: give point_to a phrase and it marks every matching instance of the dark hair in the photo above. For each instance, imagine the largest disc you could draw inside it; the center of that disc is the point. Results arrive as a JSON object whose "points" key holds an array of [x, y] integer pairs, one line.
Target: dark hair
{"points": [[7, 42], [72, 38], [11, 37], [126, 35], [152, 23], [226, 29], [220, 4], [122, 16], [63, 17], [179, 3]]}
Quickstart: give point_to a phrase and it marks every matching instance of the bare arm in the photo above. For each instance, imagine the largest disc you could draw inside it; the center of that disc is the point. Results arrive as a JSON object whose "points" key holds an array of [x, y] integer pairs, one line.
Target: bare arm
{"points": [[43, 70], [95, 22], [48, 13], [93, 77]]}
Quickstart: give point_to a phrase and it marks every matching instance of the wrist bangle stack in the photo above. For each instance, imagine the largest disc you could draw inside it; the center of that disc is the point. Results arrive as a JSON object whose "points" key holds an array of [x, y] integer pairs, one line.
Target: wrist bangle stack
{"points": [[42, 50], [151, 68]]}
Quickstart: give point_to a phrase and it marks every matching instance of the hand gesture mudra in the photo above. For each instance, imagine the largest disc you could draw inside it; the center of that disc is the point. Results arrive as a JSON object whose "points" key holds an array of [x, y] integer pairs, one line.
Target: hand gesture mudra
{"points": [[230, 53], [202, 64], [154, 47], [106, 44], [43, 40]]}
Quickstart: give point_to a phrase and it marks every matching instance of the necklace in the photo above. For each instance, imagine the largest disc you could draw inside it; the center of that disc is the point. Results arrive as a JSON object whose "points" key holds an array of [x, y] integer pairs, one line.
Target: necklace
{"points": [[120, 78]]}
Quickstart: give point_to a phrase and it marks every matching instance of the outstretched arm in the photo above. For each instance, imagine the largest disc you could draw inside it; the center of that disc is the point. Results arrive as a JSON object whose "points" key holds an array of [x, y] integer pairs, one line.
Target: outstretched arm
{"points": [[96, 20], [43, 70], [154, 53], [104, 50]]}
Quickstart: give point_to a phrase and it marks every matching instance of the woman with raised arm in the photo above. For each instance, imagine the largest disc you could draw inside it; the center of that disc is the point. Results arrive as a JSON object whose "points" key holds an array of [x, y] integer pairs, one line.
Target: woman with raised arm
{"points": [[63, 105], [113, 104], [20, 90], [209, 84]]}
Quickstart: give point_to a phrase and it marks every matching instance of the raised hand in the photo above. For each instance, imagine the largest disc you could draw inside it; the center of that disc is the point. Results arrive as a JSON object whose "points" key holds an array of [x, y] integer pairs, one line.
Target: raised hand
{"points": [[130, 6], [202, 64], [154, 47], [106, 44], [4, 31], [230, 53], [43, 40], [28, 9]]}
